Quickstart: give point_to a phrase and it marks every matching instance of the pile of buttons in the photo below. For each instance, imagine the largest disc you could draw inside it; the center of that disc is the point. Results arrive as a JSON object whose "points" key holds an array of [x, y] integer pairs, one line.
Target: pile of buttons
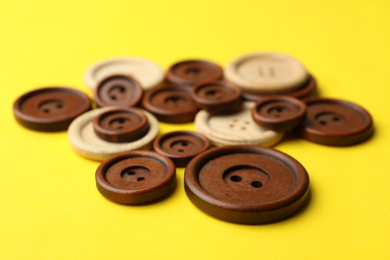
{"points": [[238, 111]]}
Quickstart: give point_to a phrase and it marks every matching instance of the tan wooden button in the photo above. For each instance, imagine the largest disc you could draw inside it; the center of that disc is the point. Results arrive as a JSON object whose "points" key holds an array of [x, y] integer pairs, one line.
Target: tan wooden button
{"points": [[84, 140], [235, 128], [147, 72], [266, 73]]}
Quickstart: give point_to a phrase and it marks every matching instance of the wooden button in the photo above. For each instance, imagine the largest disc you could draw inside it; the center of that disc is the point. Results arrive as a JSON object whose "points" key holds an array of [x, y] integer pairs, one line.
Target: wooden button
{"points": [[335, 122], [191, 71], [118, 90], [235, 128], [121, 125], [50, 109], [181, 146], [266, 73], [246, 184], [308, 89], [171, 104], [85, 142], [136, 177], [279, 112], [216, 96], [145, 71]]}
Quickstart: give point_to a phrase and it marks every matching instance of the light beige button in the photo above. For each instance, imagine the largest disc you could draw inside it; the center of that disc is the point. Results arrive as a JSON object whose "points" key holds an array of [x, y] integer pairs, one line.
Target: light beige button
{"points": [[266, 73], [85, 142], [147, 72], [235, 128]]}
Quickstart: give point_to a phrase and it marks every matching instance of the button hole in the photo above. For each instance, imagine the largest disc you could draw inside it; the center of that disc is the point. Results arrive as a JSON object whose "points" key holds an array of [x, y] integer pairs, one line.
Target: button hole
{"points": [[140, 178], [235, 178], [256, 184]]}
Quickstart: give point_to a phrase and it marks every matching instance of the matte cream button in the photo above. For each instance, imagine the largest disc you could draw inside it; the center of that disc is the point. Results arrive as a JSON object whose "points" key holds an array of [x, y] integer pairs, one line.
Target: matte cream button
{"points": [[235, 128], [147, 72], [266, 73], [87, 143]]}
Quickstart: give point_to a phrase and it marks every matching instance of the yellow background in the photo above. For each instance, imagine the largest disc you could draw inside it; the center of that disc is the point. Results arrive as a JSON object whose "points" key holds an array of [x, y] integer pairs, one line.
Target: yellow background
{"points": [[49, 205]]}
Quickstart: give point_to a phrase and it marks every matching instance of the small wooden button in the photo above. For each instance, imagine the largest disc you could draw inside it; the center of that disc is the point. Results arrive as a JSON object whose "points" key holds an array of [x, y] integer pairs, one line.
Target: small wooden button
{"points": [[246, 184], [335, 122], [279, 112], [50, 109], [118, 90], [171, 104], [121, 125], [266, 73], [308, 89], [181, 146], [87, 143], [191, 71], [136, 177], [148, 73], [216, 96], [235, 128]]}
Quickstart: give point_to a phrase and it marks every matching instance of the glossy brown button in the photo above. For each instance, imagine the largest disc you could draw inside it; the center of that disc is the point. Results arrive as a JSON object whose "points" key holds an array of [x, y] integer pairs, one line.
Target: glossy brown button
{"points": [[216, 96], [171, 104], [246, 184], [50, 109], [118, 90], [306, 90], [135, 177], [121, 125], [335, 122], [181, 146], [191, 71], [279, 112]]}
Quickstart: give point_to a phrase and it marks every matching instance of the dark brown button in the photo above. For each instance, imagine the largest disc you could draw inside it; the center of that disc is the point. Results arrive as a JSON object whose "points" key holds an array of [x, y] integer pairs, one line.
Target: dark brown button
{"points": [[135, 177], [181, 146], [335, 122], [246, 184], [50, 109], [216, 96], [279, 112], [118, 90], [307, 90], [171, 104], [121, 125], [191, 71]]}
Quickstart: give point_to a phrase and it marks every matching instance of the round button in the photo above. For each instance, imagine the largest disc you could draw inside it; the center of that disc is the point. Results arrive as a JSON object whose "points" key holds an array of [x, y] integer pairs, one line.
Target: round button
{"points": [[121, 125], [145, 71], [87, 143], [171, 104], [136, 177], [118, 90], [191, 71], [335, 122], [246, 184], [50, 109], [266, 73], [235, 128], [309, 88], [181, 146], [216, 96], [279, 112]]}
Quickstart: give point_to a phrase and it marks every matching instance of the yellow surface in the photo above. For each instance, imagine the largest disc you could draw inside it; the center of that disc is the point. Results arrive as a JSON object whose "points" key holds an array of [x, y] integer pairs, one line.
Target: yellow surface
{"points": [[50, 207]]}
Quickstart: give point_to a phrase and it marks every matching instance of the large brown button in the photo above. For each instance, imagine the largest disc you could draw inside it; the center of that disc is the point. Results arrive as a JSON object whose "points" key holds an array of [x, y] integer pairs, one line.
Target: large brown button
{"points": [[279, 112], [181, 146], [171, 104], [136, 177], [191, 71], [50, 109], [246, 184], [309, 88], [335, 122], [118, 90], [121, 125], [216, 96]]}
